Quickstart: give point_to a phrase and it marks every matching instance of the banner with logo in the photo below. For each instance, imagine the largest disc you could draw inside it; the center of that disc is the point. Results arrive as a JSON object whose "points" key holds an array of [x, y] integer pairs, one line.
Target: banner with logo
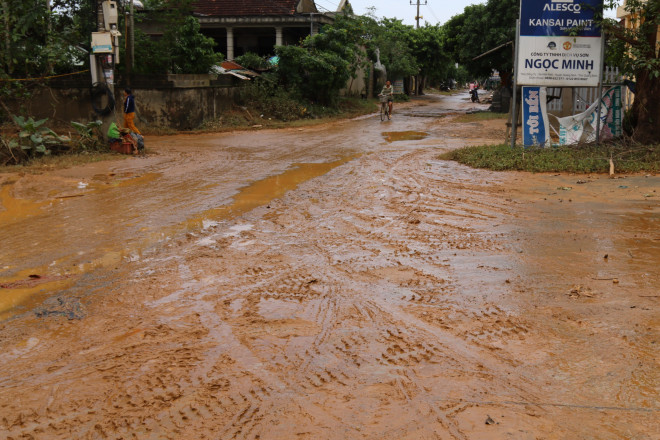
{"points": [[559, 43], [536, 129], [581, 128]]}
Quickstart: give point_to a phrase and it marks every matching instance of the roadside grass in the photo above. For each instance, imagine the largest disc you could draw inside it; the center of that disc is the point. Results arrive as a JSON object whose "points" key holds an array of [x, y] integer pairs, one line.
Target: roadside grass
{"points": [[42, 164], [480, 116], [627, 158]]}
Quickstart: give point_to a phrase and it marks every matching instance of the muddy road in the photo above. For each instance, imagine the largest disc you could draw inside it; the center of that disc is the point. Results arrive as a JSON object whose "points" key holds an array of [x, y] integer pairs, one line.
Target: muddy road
{"points": [[329, 282]]}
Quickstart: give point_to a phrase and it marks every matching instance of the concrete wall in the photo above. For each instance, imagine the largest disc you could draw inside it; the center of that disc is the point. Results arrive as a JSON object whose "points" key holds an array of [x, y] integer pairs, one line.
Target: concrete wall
{"points": [[181, 102], [60, 106], [356, 86]]}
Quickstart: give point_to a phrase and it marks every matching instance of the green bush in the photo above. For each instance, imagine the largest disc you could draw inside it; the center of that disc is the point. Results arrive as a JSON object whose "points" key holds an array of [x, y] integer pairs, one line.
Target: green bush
{"points": [[32, 140], [253, 61], [271, 100], [314, 74]]}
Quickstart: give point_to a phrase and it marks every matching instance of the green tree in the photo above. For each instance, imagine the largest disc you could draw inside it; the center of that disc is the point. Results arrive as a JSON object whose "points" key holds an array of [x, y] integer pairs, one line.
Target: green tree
{"points": [[391, 37], [181, 49], [636, 51], [36, 40], [394, 41], [428, 47], [312, 74], [480, 28], [190, 51]]}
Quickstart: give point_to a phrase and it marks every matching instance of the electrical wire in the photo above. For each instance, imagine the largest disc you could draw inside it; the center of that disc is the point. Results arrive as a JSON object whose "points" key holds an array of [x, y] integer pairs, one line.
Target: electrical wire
{"points": [[433, 13], [333, 6], [97, 90], [43, 77]]}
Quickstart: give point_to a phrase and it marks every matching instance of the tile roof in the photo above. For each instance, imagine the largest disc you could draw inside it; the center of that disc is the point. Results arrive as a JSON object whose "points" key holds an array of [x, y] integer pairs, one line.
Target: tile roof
{"points": [[243, 8]]}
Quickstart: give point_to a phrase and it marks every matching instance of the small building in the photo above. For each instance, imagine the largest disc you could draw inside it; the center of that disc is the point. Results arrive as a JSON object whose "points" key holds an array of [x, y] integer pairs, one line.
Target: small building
{"points": [[241, 26]]}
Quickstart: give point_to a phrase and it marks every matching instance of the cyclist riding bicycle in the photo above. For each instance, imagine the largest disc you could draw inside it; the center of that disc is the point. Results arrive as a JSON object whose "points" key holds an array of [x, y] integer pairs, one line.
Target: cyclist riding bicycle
{"points": [[388, 91]]}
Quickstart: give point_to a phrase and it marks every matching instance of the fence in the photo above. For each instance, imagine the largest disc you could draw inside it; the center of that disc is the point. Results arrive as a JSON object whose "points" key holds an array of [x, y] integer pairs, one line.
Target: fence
{"points": [[583, 97]]}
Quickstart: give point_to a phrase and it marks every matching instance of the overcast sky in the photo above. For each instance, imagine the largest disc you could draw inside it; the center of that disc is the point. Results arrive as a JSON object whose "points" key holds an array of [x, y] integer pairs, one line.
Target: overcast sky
{"points": [[435, 11]]}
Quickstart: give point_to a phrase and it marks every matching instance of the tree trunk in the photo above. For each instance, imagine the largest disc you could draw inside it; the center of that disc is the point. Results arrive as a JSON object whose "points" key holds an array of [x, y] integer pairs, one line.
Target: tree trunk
{"points": [[7, 32], [421, 84], [646, 109]]}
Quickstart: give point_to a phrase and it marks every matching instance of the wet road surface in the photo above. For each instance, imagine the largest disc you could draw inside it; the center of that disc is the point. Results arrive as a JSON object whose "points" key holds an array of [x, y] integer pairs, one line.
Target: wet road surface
{"points": [[337, 281]]}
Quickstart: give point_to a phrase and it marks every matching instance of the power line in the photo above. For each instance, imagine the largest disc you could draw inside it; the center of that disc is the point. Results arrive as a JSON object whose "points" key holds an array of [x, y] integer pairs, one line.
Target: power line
{"points": [[433, 13], [334, 7]]}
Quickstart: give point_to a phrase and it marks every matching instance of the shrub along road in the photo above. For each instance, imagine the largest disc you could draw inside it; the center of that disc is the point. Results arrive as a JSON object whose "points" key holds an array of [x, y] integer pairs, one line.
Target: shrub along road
{"points": [[337, 282]]}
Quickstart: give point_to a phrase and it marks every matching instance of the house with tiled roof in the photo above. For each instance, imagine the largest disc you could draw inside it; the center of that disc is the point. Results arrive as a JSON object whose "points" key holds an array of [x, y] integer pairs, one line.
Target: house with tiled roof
{"points": [[240, 26]]}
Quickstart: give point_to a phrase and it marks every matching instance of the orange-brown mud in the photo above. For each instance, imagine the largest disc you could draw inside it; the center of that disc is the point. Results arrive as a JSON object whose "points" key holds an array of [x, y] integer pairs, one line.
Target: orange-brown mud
{"points": [[331, 282]]}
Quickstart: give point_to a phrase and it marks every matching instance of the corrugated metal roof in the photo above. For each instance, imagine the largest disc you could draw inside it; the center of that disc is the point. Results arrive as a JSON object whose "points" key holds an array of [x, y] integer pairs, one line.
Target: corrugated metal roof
{"points": [[230, 65]]}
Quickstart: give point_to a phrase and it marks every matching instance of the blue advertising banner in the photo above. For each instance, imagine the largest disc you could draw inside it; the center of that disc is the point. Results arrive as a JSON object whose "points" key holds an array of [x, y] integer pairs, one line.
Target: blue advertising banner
{"points": [[559, 18], [559, 43], [536, 128]]}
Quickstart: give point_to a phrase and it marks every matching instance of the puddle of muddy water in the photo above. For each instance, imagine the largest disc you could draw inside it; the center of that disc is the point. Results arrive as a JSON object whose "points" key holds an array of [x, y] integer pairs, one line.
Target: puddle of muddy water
{"points": [[14, 209], [264, 191], [17, 289], [397, 136]]}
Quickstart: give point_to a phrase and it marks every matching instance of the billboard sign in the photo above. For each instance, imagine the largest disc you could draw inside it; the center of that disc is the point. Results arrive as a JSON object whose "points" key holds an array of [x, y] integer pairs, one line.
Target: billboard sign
{"points": [[536, 129], [559, 43]]}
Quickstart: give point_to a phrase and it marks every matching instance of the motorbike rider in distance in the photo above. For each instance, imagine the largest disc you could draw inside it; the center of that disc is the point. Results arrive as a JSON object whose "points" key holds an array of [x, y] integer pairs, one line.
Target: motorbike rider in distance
{"points": [[474, 94]]}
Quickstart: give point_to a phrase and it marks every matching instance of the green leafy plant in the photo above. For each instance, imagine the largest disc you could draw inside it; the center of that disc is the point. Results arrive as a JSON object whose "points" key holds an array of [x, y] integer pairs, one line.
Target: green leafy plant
{"points": [[89, 135], [272, 101], [34, 137], [253, 61]]}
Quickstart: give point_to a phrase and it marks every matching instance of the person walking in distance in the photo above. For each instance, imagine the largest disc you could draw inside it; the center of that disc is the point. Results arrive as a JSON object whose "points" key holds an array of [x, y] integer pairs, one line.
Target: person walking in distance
{"points": [[129, 111], [388, 91]]}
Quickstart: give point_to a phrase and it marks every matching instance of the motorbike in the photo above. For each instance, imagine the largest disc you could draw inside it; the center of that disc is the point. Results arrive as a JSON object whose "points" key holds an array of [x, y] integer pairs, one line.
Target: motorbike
{"points": [[474, 95]]}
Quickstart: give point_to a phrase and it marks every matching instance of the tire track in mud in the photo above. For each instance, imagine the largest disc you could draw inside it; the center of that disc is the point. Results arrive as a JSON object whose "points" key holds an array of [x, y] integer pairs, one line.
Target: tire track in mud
{"points": [[346, 310], [390, 346], [356, 347]]}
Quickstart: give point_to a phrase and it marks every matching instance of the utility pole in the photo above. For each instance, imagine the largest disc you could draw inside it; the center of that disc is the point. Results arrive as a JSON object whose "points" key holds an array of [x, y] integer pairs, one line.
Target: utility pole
{"points": [[103, 58], [130, 42], [418, 2], [416, 78]]}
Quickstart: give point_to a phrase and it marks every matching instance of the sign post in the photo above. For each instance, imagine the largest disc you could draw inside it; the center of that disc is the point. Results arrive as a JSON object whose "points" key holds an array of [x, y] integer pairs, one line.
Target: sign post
{"points": [[514, 104]]}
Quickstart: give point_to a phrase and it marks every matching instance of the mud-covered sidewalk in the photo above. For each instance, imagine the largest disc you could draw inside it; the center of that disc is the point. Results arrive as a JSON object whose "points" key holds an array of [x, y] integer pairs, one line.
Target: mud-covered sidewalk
{"points": [[331, 282]]}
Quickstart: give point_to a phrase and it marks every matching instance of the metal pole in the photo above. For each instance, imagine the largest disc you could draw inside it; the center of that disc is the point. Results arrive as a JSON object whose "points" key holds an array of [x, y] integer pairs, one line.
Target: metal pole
{"points": [[514, 109], [127, 46], [417, 14], [600, 84]]}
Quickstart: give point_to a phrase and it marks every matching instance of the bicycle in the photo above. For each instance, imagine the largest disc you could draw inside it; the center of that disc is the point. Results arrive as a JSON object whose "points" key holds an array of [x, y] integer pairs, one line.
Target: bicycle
{"points": [[384, 107]]}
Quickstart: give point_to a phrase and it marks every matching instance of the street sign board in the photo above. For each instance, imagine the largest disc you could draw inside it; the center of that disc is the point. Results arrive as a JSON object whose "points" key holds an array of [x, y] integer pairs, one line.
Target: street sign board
{"points": [[559, 43]]}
